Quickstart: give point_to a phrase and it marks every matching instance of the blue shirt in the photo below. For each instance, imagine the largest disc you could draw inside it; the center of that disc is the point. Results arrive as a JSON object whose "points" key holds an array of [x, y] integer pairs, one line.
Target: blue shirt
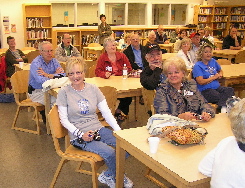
{"points": [[206, 71], [36, 80], [137, 55]]}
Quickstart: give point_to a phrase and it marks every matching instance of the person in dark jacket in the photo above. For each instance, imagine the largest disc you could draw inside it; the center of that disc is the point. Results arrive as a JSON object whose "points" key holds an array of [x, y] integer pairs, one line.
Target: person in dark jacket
{"points": [[104, 29], [152, 75], [13, 56], [135, 53]]}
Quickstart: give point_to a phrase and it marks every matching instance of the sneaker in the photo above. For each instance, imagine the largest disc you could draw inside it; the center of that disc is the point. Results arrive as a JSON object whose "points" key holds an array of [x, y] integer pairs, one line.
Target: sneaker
{"points": [[107, 180], [127, 182]]}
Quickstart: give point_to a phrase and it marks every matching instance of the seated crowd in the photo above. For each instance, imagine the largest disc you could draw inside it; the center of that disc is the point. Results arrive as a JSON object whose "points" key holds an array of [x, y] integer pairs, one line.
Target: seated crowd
{"points": [[176, 94]]}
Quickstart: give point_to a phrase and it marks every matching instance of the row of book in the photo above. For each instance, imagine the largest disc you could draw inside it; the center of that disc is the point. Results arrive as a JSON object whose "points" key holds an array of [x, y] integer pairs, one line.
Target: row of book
{"points": [[219, 26], [238, 10], [220, 18], [34, 22], [202, 18], [237, 18], [92, 38], [205, 11], [220, 11], [40, 34]]}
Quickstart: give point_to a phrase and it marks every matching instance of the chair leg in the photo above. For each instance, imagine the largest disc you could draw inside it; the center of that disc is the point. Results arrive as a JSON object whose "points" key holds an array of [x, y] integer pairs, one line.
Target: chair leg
{"points": [[16, 116], [37, 121], [58, 170]]}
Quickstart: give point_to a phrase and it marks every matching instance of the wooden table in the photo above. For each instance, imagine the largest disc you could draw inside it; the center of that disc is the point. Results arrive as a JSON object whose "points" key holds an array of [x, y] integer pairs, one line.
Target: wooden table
{"points": [[168, 55], [177, 164], [130, 87], [229, 54], [169, 47], [233, 74]]}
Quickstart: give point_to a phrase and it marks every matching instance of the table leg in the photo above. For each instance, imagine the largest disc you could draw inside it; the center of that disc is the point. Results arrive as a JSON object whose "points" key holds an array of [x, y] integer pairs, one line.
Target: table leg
{"points": [[120, 162], [137, 103], [47, 109]]}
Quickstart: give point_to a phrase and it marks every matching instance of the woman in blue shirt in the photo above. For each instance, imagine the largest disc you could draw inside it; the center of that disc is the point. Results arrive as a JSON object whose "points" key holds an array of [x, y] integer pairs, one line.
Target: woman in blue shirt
{"points": [[206, 73]]}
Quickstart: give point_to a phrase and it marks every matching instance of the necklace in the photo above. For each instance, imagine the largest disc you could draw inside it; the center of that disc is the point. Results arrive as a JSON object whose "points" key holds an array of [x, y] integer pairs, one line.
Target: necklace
{"points": [[78, 90]]}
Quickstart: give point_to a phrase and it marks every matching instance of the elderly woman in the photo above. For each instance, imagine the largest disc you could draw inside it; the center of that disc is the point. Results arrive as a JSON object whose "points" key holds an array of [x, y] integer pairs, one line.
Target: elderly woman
{"points": [[184, 52], [13, 56], [151, 38], [225, 163], [182, 35], [207, 34], [77, 104], [111, 63], [206, 73], [179, 97]]}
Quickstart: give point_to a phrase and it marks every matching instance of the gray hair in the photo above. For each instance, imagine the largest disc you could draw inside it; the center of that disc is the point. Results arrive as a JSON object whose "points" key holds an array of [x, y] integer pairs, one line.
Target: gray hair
{"points": [[237, 119], [107, 40], [183, 41], [40, 46]]}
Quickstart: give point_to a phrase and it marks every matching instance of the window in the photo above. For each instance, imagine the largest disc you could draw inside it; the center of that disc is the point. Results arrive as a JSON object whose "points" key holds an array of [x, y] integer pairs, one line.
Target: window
{"points": [[178, 14], [160, 14], [115, 13], [62, 14], [87, 14], [136, 14]]}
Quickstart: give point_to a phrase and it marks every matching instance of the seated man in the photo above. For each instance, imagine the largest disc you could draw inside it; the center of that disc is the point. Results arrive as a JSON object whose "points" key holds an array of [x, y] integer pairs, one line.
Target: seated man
{"points": [[161, 37], [66, 50], [43, 68], [232, 41], [195, 45], [152, 75], [135, 53]]}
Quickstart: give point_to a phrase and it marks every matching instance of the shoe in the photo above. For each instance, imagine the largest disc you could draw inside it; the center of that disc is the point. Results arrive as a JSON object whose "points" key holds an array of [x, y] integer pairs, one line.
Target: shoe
{"points": [[107, 180], [127, 183]]}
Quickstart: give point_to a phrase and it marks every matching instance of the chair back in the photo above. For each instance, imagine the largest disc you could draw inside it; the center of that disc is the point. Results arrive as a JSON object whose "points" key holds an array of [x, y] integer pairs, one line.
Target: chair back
{"points": [[148, 96], [91, 71], [224, 62], [32, 55], [3, 75], [110, 94], [94, 45], [19, 81], [3, 49], [240, 57]]}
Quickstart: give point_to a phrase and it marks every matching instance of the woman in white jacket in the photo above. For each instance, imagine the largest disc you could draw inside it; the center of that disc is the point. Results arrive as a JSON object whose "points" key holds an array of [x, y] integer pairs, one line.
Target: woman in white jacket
{"points": [[225, 164], [184, 52]]}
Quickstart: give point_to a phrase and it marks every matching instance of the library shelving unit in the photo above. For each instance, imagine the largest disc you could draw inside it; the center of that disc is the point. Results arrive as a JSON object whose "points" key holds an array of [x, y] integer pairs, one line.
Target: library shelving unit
{"points": [[37, 23], [220, 18]]}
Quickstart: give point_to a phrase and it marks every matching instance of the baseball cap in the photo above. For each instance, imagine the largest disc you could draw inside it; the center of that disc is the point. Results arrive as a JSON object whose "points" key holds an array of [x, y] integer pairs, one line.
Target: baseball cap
{"points": [[194, 34], [150, 47]]}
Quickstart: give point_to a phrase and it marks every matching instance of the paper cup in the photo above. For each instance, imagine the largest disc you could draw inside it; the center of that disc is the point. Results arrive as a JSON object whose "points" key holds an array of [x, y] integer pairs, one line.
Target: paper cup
{"points": [[21, 63], [153, 142]]}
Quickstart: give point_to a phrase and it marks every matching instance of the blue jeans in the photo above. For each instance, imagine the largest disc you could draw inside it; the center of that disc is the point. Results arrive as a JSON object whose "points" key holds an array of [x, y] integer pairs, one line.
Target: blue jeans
{"points": [[102, 148]]}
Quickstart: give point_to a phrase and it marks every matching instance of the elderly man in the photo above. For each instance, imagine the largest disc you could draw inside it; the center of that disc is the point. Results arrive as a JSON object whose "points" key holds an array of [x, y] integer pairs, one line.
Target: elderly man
{"points": [[43, 68], [195, 41], [152, 75], [66, 50], [135, 53], [161, 37], [232, 41]]}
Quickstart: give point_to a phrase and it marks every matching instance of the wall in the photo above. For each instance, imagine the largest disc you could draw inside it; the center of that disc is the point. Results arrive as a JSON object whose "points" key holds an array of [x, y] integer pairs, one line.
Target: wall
{"points": [[13, 9]]}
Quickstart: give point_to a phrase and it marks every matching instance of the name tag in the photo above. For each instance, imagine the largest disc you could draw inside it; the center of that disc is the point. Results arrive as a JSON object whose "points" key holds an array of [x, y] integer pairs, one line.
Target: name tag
{"points": [[188, 93]]}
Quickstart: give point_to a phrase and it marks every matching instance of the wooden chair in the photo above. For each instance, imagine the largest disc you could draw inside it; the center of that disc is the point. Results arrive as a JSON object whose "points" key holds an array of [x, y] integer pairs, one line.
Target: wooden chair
{"points": [[28, 48], [32, 55], [148, 96], [71, 153], [19, 81], [110, 94], [224, 62], [91, 71], [89, 63], [240, 57]]}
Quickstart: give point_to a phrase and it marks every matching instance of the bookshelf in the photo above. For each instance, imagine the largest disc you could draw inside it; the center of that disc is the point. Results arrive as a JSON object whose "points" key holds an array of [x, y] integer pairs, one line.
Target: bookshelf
{"points": [[220, 18], [37, 22]]}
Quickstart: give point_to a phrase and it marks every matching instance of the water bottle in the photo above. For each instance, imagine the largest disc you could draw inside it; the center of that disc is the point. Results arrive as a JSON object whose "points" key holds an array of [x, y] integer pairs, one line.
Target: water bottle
{"points": [[125, 71]]}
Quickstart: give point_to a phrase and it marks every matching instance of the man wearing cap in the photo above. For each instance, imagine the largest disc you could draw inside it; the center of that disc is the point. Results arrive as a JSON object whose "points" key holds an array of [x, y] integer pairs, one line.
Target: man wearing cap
{"points": [[135, 53], [195, 41], [232, 41], [152, 75], [66, 50]]}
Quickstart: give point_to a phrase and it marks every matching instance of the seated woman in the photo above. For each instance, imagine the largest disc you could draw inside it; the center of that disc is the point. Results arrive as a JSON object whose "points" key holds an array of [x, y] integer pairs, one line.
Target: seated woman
{"points": [[182, 34], [225, 163], [179, 97], [206, 73], [151, 38], [77, 104], [109, 64], [184, 52], [124, 43], [13, 56]]}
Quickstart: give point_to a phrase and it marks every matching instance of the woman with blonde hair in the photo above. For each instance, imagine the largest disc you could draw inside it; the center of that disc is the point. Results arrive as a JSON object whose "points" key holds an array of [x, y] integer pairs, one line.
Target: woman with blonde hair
{"points": [[207, 34], [225, 163], [184, 52], [179, 97]]}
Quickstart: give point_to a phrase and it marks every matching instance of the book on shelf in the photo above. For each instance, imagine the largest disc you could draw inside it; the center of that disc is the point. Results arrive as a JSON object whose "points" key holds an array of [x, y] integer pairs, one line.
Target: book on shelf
{"points": [[39, 34], [34, 22]]}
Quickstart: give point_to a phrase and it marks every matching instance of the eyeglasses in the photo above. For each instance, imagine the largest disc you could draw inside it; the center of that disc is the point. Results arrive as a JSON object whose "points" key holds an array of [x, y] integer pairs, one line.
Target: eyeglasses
{"points": [[47, 51], [73, 73]]}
